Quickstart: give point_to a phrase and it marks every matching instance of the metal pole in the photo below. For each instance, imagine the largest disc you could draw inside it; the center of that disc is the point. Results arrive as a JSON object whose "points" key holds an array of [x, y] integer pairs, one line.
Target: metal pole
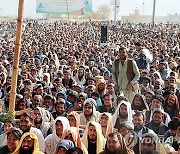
{"points": [[153, 16], [16, 56], [115, 12], [67, 8]]}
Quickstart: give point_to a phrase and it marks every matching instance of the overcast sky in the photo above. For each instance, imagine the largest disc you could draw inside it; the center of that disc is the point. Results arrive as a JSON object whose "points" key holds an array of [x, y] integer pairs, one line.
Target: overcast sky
{"points": [[163, 7]]}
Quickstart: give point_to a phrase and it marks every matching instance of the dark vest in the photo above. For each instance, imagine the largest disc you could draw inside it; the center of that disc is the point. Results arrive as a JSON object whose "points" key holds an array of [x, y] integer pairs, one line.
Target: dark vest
{"points": [[130, 74]]}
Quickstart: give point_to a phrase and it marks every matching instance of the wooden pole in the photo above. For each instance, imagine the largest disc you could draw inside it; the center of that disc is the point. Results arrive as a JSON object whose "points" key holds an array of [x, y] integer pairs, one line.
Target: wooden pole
{"points": [[16, 56]]}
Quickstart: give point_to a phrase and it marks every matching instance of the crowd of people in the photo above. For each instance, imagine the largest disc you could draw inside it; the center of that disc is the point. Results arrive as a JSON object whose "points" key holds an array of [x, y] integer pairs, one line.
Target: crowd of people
{"points": [[76, 95]]}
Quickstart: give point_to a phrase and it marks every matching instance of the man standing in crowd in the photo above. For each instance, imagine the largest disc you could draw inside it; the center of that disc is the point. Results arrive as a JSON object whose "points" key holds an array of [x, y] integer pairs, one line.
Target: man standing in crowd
{"points": [[125, 74], [144, 56]]}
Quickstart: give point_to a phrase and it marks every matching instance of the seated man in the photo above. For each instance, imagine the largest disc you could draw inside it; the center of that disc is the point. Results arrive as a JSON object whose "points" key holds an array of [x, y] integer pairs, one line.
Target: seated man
{"points": [[29, 144], [93, 138], [89, 112], [60, 125], [123, 113], [40, 121], [172, 143], [126, 128], [106, 123], [63, 146], [151, 141], [26, 125], [157, 102], [172, 125], [13, 138], [115, 145], [157, 124], [108, 104], [60, 108], [139, 125]]}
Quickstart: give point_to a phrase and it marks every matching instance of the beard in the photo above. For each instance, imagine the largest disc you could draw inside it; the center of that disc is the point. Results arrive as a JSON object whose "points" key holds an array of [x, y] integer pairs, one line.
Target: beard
{"points": [[92, 140], [123, 116], [88, 114], [139, 107], [22, 151], [137, 128], [38, 121], [49, 108], [115, 151], [171, 106], [26, 130], [123, 58], [80, 77], [100, 89], [59, 113], [156, 124]]}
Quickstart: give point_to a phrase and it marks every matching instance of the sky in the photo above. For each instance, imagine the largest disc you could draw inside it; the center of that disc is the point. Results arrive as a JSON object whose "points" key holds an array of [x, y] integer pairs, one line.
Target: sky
{"points": [[163, 7]]}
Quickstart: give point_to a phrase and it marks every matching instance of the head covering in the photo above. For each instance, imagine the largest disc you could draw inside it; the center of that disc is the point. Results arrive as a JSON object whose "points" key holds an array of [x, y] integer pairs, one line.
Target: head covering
{"points": [[75, 135], [177, 105], [143, 106], [159, 76], [116, 114], [95, 114], [16, 131], [83, 95], [48, 79], [65, 123], [100, 143], [123, 147], [76, 116], [128, 125], [158, 97], [90, 101], [45, 121], [65, 144], [155, 139], [98, 81], [63, 93], [36, 143], [109, 128]]}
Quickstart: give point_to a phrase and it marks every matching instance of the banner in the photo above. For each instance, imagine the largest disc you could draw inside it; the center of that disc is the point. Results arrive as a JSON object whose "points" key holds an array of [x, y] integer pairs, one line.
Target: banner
{"points": [[64, 6]]}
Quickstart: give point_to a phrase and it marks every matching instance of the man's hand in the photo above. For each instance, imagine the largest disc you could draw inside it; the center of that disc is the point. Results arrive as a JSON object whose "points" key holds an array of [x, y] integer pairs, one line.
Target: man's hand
{"points": [[77, 105], [129, 86]]}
